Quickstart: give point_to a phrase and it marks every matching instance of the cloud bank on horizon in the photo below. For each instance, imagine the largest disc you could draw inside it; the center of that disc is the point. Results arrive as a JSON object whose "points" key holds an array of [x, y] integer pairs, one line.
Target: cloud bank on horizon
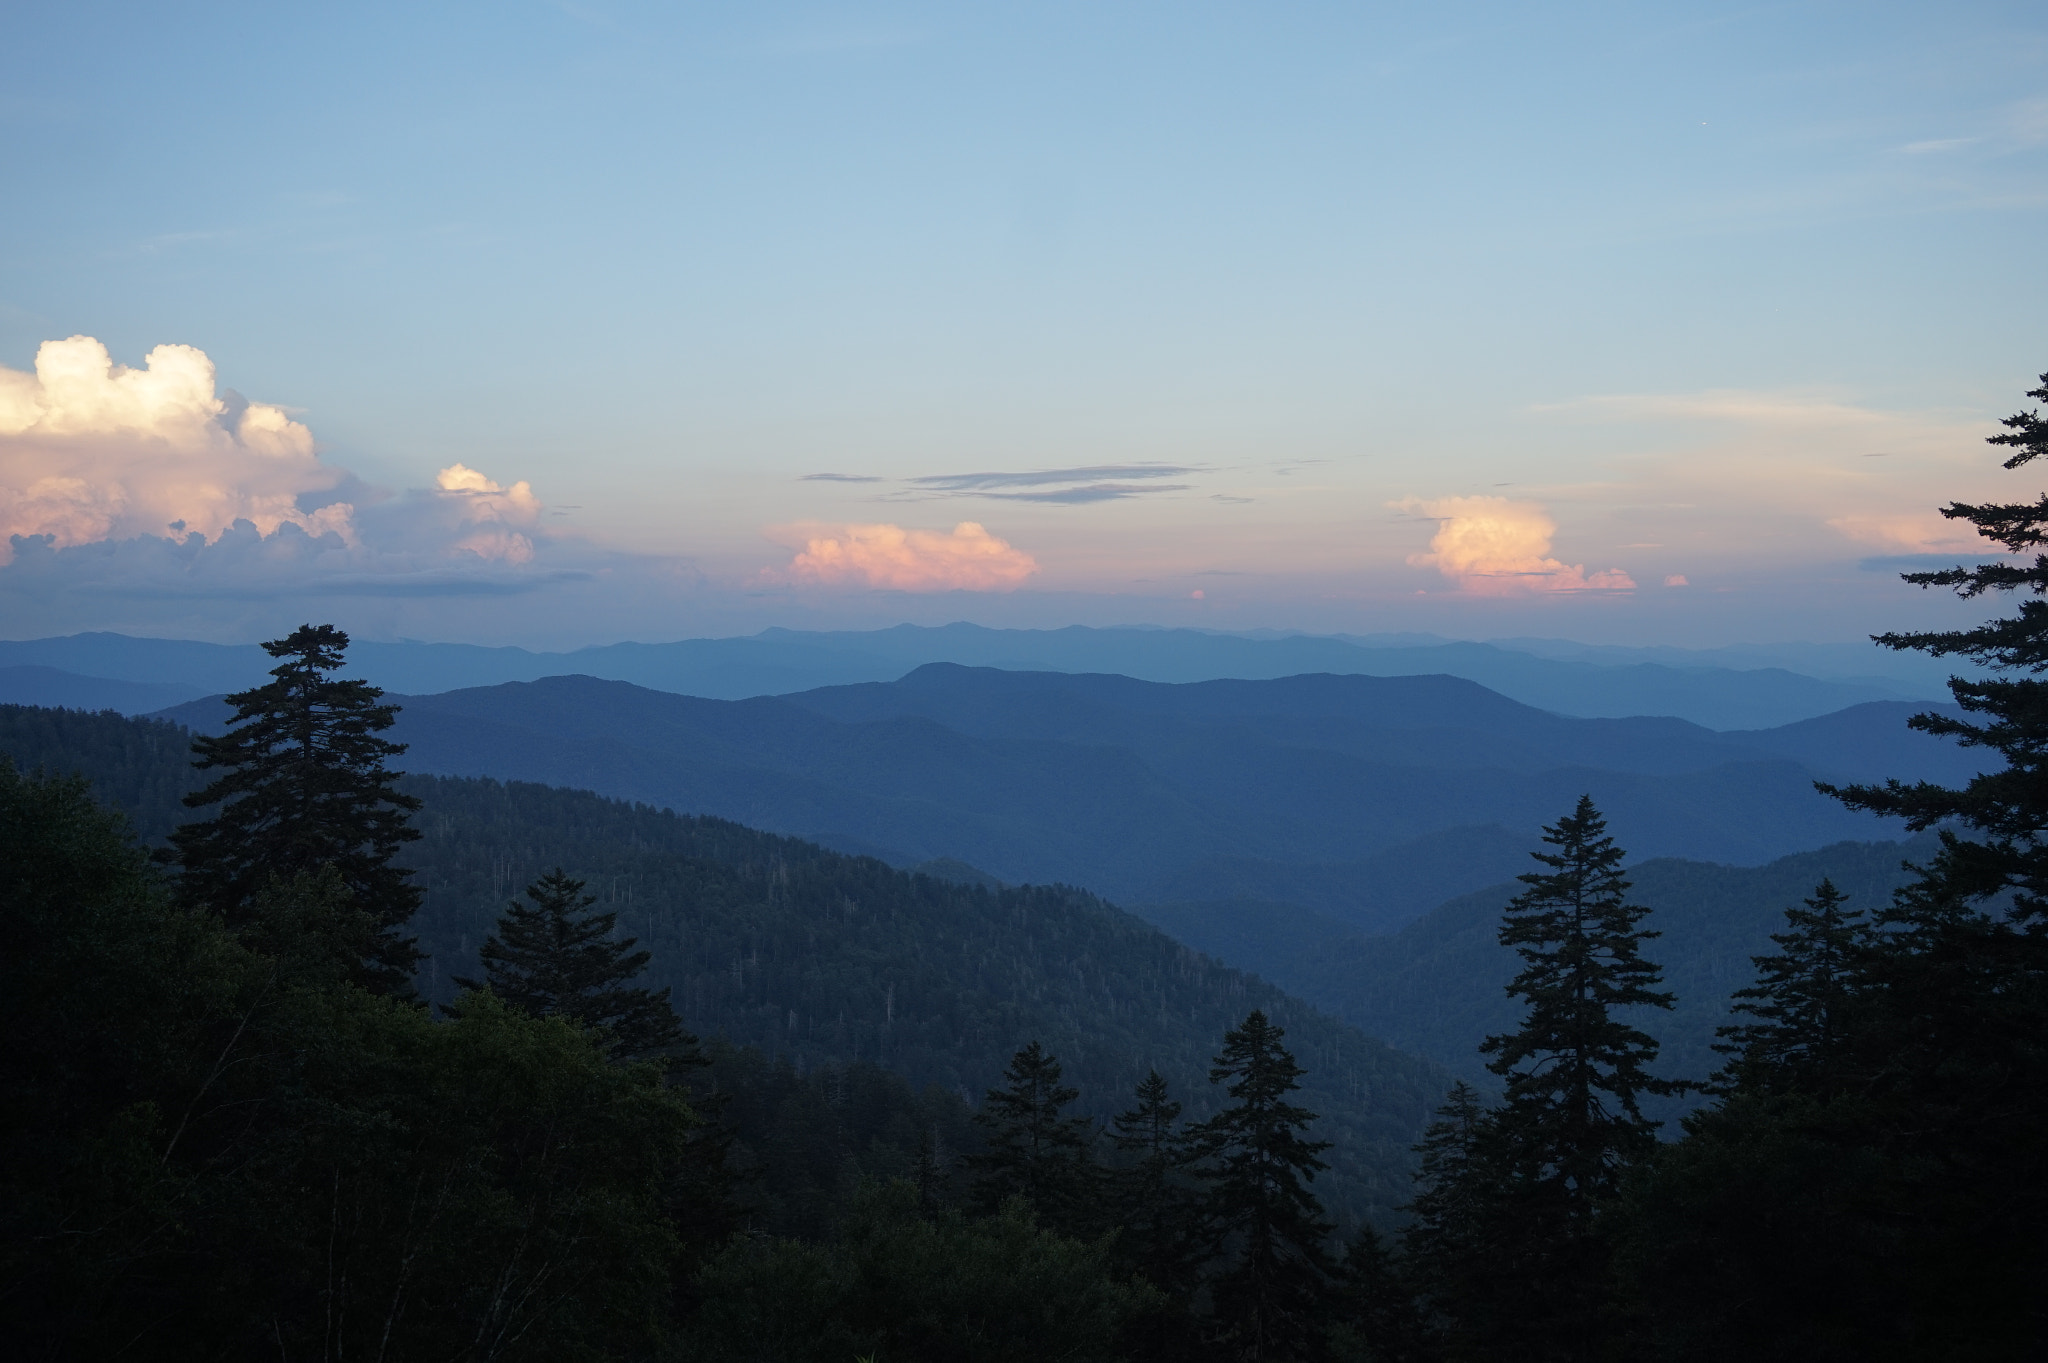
{"points": [[157, 484]]}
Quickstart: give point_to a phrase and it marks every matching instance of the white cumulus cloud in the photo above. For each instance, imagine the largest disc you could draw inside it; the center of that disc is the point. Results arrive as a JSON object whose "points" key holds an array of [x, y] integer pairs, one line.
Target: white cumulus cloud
{"points": [[966, 558], [93, 450], [1491, 546], [498, 520]]}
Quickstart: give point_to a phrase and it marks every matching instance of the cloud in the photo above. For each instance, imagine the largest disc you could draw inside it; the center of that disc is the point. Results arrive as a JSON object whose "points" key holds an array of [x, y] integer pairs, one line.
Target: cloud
{"points": [[1924, 532], [1491, 546], [839, 478], [967, 558], [1057, 487], [1676, 580], [92, 450], [1936, 144], [499, 514]]}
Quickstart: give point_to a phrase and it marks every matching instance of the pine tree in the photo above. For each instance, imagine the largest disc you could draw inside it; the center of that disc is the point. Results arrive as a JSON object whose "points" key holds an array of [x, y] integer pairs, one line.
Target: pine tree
{"points": [[1032, 1151], [1268, 1301], [304, 787], [1155, 1197], [1374, 1302], [1571, 1120], [1799, 998], [1453, 1240], [2007, 809], [555, 958]]}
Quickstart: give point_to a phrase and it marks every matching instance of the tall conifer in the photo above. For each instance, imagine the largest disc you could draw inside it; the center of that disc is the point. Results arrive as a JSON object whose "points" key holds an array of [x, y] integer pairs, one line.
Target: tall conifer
{"points": [[1269, 1299], [1157, 1202], [1032, 1151], [1574, 1073], [304, 789], [1800, 997]]}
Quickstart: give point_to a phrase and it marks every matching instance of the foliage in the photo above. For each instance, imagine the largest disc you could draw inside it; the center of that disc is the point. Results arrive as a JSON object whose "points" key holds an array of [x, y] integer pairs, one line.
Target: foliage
{"points": [[1158, 1203], [555, 958], [1029, 1151], [1259, 1166], [218, 1144], [304, 786], [903, 1286], [1801, 998]]}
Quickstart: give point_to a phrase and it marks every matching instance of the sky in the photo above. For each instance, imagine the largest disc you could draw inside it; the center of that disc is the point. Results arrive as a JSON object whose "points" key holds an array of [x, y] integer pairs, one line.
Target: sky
{"points": [[558, 324]]}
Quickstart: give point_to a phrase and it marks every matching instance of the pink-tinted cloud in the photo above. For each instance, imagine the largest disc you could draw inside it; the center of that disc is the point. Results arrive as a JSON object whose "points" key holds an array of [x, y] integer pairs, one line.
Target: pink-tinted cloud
{"points": [[503, 519], [1491, 546], [966, 558], [91, 450]]}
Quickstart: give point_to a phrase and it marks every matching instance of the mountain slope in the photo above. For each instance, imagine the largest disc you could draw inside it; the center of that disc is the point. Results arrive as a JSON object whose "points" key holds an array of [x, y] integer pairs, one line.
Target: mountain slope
{"points": [[1437, 987], [832, 959]]}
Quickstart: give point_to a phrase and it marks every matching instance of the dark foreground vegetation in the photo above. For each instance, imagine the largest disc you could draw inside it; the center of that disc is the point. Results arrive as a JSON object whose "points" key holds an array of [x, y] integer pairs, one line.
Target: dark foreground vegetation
{"points": [[234, 1128]]}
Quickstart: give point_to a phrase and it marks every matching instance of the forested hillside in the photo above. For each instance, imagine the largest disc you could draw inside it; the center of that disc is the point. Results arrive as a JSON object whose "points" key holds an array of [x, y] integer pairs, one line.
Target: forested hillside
{"points": [[828, 958], [1437, 986]]}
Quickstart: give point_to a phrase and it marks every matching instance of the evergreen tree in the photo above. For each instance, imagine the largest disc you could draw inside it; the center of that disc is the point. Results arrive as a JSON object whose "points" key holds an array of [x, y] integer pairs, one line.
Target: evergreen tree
{"points": [[2006, 809], [304, 787], [555, 958], [1800, 997], [1571, 1120], [1268, 1301], [1031, 1151], [1378, 1319], [1157, 1202], [1452, 1241]]}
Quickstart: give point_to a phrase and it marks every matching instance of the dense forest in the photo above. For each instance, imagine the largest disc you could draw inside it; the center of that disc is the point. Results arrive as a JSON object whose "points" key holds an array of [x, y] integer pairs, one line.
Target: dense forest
{"points": [[355, 1066]]}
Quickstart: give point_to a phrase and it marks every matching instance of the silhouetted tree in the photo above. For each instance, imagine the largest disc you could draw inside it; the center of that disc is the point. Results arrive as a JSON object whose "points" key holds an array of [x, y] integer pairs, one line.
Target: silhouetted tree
{"points": [[1800, 997], [1158, 1204], [555, 958], [1268, 1299], [304, 786], [1574, 1072], [1031, 1151], [1374, 1304]]}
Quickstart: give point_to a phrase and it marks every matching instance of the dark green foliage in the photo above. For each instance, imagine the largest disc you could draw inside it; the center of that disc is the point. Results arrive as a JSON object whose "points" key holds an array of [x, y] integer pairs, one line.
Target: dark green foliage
{"points": [[1376, 1315], [1157, 1202], [555, 958], [211, 1150], [1030, 1151], [304, 786], [1801, 999], [1269, 1295], [1573, 1070], [802, 1143], [1518, 1189], [907, 1287]]}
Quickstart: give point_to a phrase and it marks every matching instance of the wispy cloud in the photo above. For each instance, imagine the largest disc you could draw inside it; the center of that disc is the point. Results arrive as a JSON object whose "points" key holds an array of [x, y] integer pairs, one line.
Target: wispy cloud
{"points": [[1077, 486], [1937, 144], [839, 478]]}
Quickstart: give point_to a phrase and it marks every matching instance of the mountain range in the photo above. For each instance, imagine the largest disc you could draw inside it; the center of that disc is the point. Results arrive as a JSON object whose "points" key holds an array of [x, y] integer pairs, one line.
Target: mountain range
{"points": [[1368, 799], [1755, 687]]}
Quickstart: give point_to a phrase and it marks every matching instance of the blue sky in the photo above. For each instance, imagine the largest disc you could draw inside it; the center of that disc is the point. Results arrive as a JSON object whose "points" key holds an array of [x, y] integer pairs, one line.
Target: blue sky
{"points": [[1453, 317]]}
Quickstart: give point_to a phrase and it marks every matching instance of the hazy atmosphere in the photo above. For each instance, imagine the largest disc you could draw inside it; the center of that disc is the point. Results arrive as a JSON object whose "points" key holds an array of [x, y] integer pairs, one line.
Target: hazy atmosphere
{"points": [[558, 324]]}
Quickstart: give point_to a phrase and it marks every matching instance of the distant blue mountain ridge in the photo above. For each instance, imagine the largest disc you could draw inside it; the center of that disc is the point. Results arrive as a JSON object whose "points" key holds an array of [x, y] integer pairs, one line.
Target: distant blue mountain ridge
{"points": [[1366, 799], [1752, 687]]}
